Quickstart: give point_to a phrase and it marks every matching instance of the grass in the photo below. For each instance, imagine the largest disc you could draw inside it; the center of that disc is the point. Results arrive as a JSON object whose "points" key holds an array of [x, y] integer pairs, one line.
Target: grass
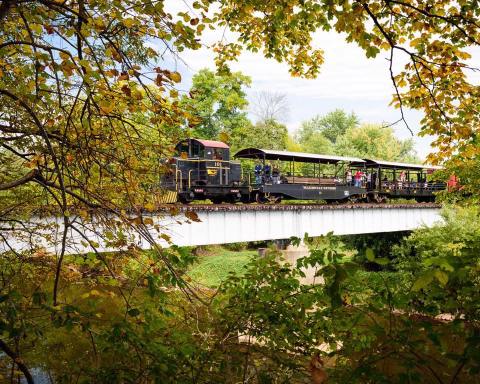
{"points": [[214, 268]]}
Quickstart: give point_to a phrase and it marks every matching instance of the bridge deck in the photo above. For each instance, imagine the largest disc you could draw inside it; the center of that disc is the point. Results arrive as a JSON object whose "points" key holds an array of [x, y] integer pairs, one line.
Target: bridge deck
{"points": [[289, 207]]}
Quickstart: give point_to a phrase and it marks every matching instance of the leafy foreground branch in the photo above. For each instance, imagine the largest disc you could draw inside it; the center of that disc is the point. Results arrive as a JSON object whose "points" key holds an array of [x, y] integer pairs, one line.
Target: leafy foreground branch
{"points": [[134, 323]]}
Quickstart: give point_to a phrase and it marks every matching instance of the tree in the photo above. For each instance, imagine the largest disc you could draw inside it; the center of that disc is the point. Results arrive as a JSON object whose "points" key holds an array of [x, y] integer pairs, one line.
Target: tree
{"points": [[268, 134], [85, 113], [270, 106], [317, 143], [466, 168], [333, 125], [433, 39], [218, 103], [376, 142]]}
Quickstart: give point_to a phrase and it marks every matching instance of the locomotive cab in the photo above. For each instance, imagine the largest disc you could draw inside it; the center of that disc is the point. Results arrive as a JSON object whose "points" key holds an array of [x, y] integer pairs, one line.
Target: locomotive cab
{"points": [[202, 149], [203, 170]]}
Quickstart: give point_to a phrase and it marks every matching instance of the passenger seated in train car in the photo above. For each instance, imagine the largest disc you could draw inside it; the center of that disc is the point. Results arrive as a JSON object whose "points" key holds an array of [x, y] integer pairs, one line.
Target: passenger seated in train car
{"points": [[364, 179], [401, 180], [385, 182], [275, 175], [348, 177], [411, 183], [267, 169], [258, 173]]}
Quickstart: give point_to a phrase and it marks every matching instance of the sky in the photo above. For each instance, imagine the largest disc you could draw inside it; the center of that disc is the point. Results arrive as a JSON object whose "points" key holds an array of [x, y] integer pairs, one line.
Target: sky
{"points": [[348, 80]]}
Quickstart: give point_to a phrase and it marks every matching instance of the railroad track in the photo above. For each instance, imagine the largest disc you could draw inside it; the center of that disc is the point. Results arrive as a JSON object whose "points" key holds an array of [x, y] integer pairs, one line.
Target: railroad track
{"points": [[286, 207]]}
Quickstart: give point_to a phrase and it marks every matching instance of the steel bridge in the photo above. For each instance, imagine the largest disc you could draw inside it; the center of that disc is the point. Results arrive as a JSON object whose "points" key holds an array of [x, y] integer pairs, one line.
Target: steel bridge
{"points": [[221, 224], [239, 223]]}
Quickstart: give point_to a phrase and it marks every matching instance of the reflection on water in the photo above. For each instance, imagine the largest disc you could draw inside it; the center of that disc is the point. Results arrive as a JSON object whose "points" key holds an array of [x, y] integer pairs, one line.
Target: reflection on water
{"points": [[39, 377]]}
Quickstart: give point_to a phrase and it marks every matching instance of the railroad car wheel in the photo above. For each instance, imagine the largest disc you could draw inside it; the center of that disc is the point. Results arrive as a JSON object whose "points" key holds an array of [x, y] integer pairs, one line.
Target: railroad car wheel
{"points": [[354, 199], [216, 200], [260, 198], [376, 198], [267, 198], [246, 199], [186, 198], [274, 199]]}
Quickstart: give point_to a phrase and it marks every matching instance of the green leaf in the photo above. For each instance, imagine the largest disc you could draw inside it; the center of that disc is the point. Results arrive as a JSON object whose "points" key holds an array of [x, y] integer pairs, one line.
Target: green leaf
{"points": [[442, 277], [446, 265], [382, 261], [423, 281], [369, 254], [372, 51]]}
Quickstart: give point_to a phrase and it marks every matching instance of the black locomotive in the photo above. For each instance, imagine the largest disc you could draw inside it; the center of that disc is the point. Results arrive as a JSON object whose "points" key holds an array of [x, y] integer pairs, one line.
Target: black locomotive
{"points": [[202, 169]]}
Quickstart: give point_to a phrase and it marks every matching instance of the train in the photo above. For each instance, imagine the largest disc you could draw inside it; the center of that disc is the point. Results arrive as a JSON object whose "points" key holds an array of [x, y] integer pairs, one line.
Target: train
{"points": [[204, 169]]}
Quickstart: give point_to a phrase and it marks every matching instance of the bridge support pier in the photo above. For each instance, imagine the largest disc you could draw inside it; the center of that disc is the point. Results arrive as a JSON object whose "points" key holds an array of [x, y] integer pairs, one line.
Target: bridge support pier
{"points": [[292, 253]]}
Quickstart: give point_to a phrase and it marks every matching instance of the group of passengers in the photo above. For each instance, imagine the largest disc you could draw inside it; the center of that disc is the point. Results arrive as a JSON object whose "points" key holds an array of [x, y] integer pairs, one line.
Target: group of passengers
{"points": [[368, 179], [404, 182], [360, 179], [270, 174], [267, 173]]}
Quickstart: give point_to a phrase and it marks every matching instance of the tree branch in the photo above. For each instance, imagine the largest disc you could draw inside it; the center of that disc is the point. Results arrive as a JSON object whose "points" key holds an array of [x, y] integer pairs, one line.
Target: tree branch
{"points": [[5, 348], [23, 180]]}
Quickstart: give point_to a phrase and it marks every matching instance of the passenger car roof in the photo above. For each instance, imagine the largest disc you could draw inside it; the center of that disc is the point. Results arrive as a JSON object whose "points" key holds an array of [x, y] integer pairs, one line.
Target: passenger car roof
{"points": [[270, 154], [393, 164]]}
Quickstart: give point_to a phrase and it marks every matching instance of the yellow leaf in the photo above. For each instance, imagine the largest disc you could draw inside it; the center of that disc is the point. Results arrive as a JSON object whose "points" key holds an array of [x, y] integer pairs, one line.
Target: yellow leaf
{"points": [[223, 136], [63, 55], [148, 221], [106, 107], [149, 206], [165, 237], [175, 76], [415, 42], [129, 23]]}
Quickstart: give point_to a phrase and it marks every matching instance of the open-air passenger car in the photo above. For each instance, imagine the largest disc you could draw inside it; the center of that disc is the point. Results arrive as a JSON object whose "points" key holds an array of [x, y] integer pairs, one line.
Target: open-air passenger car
{"points": [[403, 180], [301, 176]]}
